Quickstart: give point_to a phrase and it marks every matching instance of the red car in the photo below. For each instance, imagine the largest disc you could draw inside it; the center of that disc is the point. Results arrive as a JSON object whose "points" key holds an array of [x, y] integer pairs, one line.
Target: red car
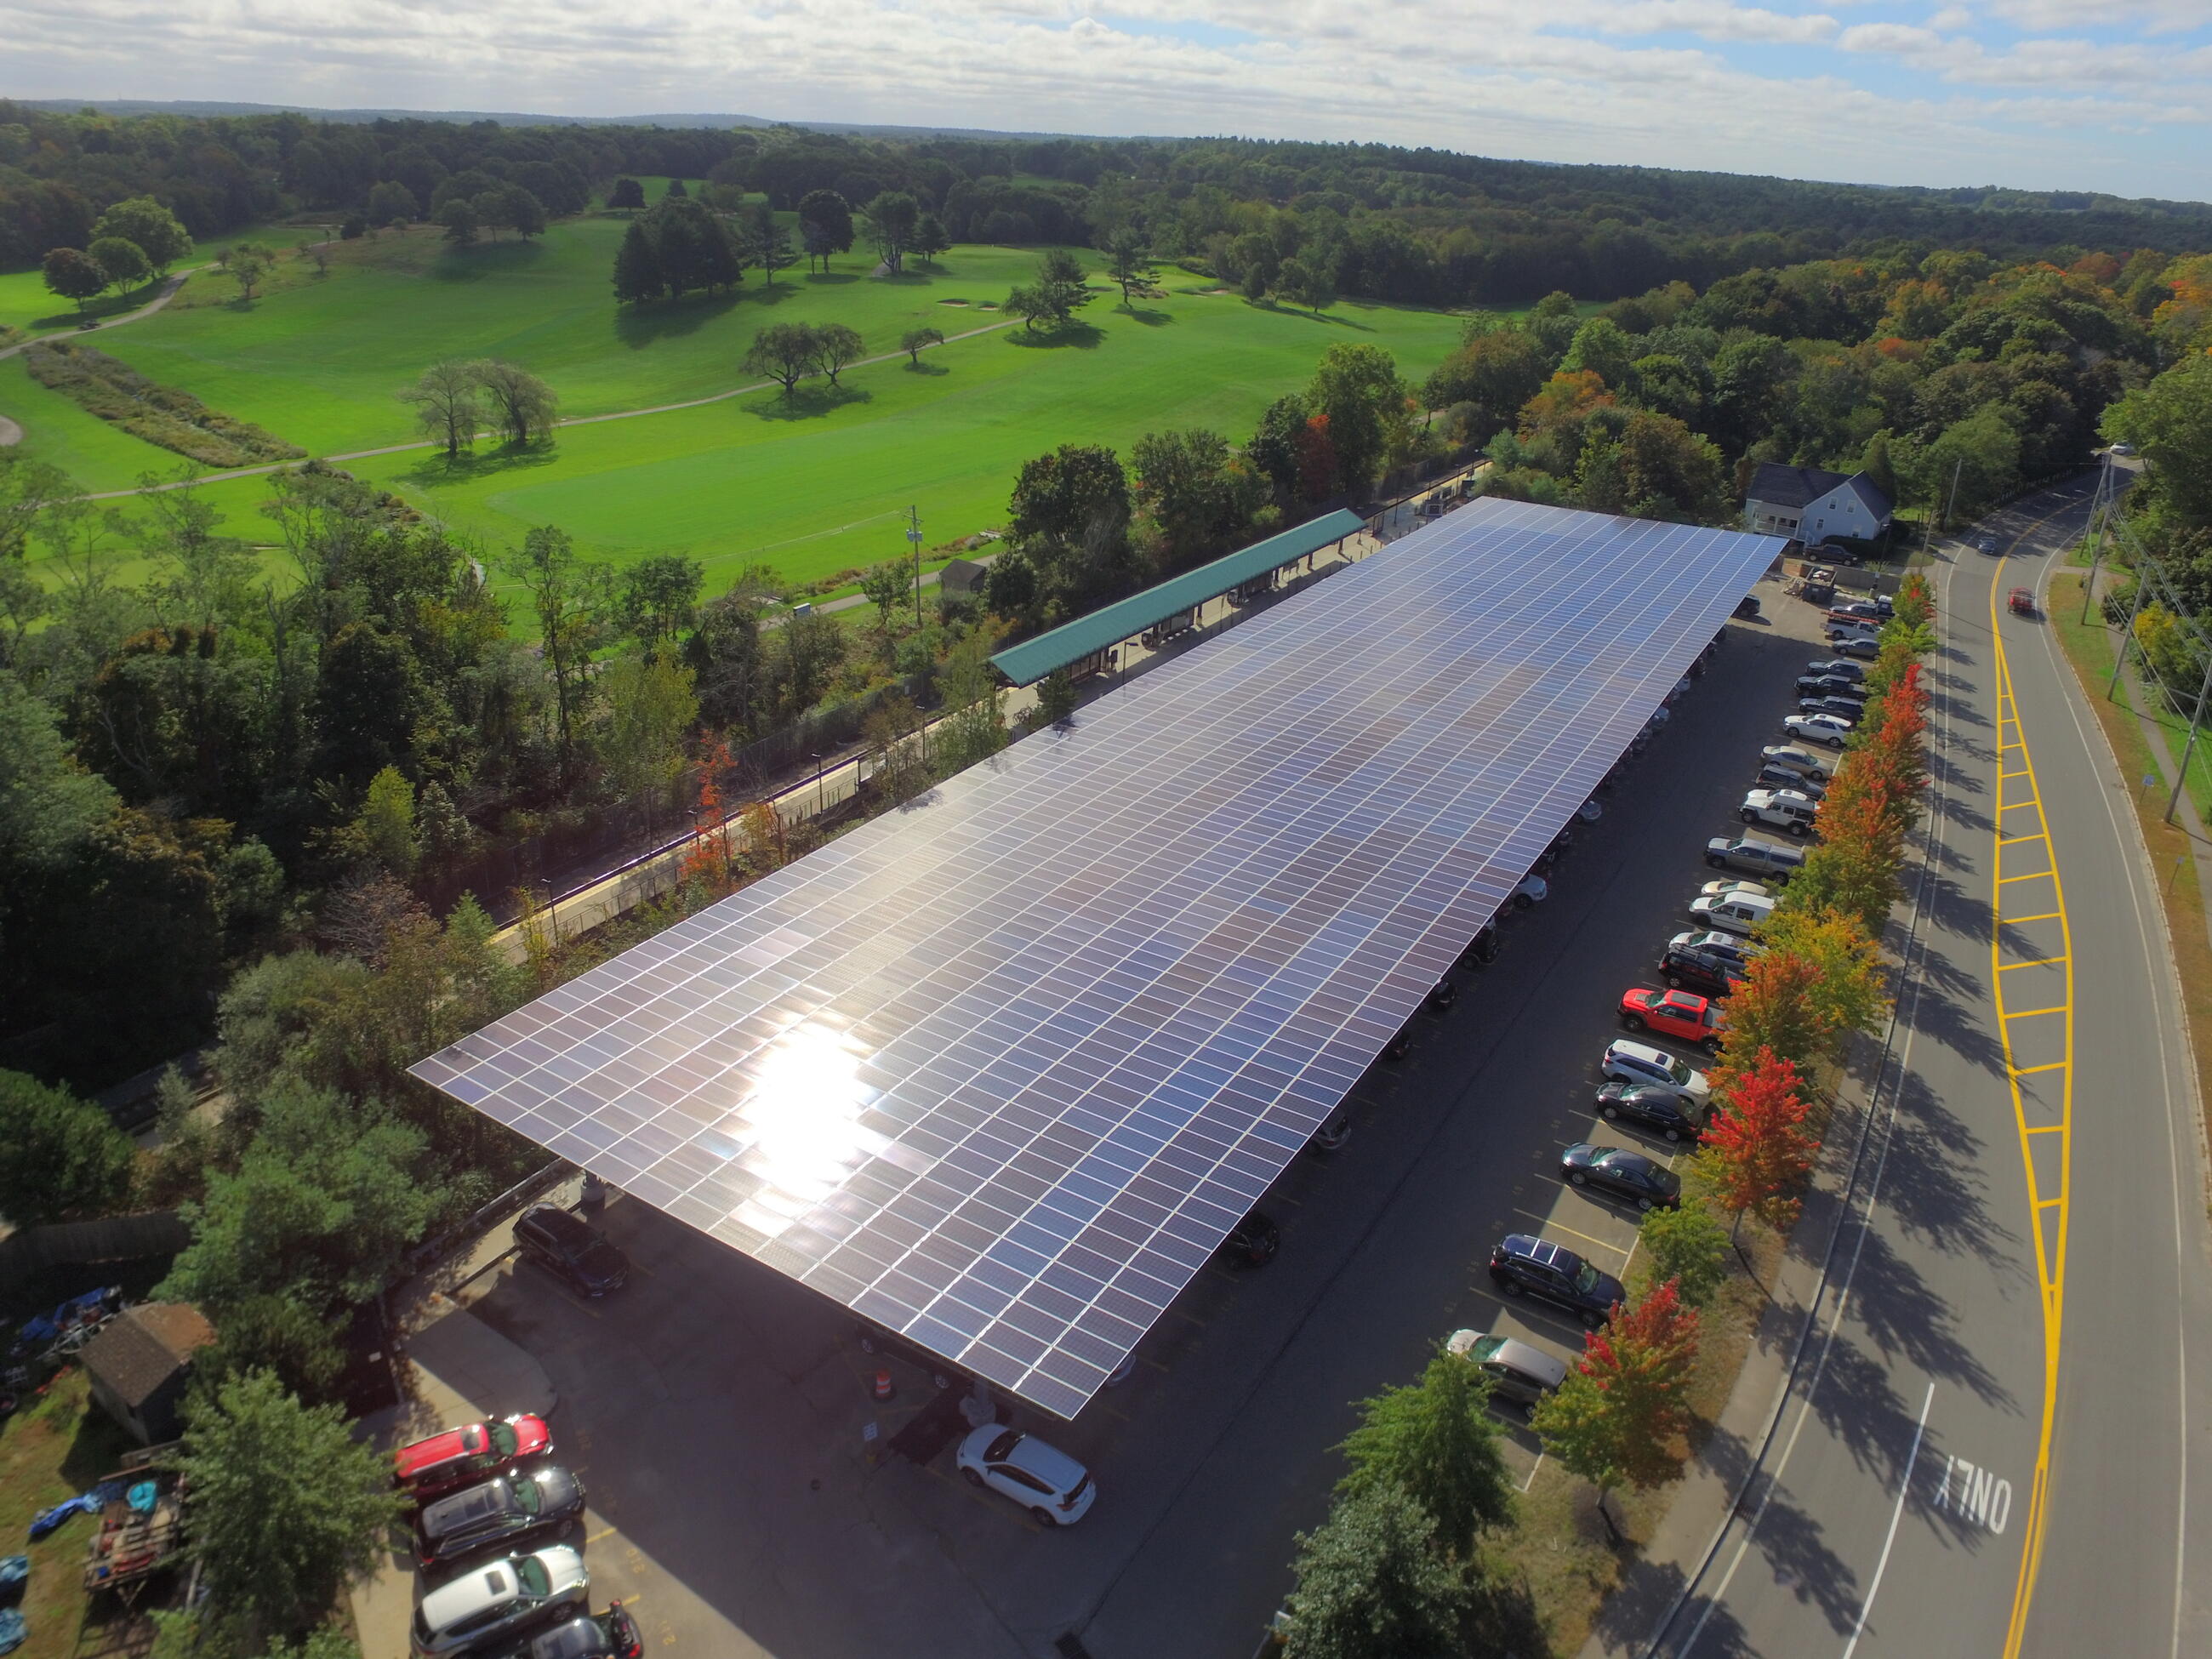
{"points": [[1676, 1014], [461, 1457]]}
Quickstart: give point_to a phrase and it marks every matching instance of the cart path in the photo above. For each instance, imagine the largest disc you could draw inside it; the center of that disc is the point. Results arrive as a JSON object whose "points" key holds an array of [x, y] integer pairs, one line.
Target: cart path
{"points": [[170, 284], [579, 420]]}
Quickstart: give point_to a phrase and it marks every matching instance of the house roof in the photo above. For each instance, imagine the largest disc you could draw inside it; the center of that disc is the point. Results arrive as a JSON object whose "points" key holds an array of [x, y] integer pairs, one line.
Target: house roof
{"points": [[143, 1347], [1777, 485]]}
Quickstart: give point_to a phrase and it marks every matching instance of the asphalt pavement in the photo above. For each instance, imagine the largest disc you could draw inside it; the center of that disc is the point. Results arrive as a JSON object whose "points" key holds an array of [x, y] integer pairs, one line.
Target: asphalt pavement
{"points": [[1996, 1425]]}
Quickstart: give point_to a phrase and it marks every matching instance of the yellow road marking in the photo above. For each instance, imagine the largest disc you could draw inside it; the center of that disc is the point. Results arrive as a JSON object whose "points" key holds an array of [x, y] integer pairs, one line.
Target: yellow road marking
{"points": [[2002, 776], [2050, 1256], [604, 1532], [2030, 1013], [2030, 1071], [2022, 922], [2032, 875], [1561, 1226]]}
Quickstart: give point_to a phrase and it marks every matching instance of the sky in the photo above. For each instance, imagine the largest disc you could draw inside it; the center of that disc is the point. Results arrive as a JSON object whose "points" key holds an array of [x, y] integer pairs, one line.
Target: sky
{"points": [[2112, 95]]}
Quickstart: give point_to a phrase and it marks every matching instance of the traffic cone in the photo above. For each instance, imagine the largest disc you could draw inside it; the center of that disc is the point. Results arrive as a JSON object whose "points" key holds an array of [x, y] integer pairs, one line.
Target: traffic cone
{"points": [[882, 1388]]}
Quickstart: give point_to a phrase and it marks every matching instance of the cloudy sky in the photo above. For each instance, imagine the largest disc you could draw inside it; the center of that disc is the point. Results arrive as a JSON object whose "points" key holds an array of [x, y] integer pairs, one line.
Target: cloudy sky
{"points": [[2102, 94]]}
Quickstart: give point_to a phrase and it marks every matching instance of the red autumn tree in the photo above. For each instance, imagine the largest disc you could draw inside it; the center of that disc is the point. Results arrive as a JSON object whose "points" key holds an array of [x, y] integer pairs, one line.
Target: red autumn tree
{"points": [[1760, 1148], [1778, 1008], [707, 858]]}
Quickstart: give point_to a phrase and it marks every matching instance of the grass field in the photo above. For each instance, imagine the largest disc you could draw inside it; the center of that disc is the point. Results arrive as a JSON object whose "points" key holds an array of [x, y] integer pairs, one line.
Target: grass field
{"points": [[810, 484]]}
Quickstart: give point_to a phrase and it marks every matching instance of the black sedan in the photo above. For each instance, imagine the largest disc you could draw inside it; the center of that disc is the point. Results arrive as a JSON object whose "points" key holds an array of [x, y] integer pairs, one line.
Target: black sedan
{"points": [[1623, 1174], [1775, 776], [1650, 1107], [1830, 685], [497, 1514], [1850, 710]]}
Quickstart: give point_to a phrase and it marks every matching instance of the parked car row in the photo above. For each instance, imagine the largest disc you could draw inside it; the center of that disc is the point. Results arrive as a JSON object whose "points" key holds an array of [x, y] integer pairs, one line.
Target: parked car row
{"points": [[486, 1502]]}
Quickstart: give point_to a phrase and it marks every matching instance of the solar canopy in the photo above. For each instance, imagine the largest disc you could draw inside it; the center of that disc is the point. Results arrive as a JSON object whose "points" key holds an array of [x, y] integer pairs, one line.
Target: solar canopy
{"points": [[1001, 1069]]}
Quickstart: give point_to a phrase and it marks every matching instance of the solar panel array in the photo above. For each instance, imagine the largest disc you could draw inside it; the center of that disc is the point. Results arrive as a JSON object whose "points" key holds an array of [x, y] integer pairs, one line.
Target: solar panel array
{"points": [[1001, 1069]]}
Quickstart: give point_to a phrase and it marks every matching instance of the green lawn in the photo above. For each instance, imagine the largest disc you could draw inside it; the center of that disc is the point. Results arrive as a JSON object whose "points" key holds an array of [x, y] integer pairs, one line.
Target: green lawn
{"points": [[52, 1450], [811, 485]]}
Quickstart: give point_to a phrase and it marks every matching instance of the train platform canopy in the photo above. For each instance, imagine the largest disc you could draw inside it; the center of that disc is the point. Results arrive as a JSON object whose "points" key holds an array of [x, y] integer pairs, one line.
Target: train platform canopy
{"points": [[1032, 660], [1001, 1069]]}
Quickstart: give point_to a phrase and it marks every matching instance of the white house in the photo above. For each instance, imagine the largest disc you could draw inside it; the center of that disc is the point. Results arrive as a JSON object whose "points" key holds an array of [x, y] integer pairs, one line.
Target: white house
{"points": [[1811, 505]]}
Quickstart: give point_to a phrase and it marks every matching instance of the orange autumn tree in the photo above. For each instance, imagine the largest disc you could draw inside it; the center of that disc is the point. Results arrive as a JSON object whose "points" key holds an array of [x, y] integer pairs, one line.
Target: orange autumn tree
{"points": [[1621, 1419], [706, 860], [1564, 399]]}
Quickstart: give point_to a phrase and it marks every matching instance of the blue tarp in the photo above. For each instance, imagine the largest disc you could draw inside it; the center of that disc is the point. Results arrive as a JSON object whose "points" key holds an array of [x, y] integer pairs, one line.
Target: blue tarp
{"points": [[12, 1630], [88, 1502]]}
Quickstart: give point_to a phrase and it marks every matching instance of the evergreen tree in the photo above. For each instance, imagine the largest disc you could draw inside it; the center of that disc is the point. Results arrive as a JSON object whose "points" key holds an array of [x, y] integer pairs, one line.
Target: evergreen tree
{"points": [[626, 194], [638, 276]]}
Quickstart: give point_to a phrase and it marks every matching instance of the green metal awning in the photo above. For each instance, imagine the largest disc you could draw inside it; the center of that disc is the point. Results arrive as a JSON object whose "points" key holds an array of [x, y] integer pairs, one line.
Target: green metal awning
{"points": [[1032, 660]]}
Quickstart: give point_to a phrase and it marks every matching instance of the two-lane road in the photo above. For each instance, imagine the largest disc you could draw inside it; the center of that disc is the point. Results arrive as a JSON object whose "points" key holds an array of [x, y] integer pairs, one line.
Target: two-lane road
{"points": [[1996, 1428]]}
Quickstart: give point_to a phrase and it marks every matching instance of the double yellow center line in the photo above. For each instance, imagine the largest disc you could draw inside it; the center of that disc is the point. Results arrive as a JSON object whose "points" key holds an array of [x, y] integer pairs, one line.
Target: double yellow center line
{"points": [[2026, 880]]}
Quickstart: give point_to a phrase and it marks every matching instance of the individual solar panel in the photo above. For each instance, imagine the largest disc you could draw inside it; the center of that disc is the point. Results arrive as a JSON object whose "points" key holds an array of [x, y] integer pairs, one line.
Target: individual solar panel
{"points": [[1000, 1070]]}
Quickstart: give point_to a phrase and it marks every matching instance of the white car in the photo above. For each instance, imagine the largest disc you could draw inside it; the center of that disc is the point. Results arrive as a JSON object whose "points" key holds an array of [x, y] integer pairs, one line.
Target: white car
{"points": [[500, 1599], [1533, 890], [1803, 762], [1640, 1063], [1735, 913], [1050, 1485], [1749, 889], [1818, 728], [1788, 810]]}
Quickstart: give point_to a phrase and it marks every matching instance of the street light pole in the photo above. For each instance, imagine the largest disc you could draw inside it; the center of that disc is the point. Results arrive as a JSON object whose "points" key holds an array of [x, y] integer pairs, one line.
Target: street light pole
{"points": [[914, 537], [2096, 530]]}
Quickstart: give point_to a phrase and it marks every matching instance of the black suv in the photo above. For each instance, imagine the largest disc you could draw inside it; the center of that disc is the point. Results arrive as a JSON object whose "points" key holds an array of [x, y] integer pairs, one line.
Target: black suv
{"points": [[1701, 971], [570, 1248], [497, 1514], [1830, 685], [1850, 710], [611, 1635], [1772, 774], [1650, 1107], [1519, 1264]]}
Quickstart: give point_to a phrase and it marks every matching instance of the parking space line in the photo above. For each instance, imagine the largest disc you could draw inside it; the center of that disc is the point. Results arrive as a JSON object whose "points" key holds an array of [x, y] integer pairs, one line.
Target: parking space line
{"points": [[604, 1532], [1617, 1250], [1531, 1481]]}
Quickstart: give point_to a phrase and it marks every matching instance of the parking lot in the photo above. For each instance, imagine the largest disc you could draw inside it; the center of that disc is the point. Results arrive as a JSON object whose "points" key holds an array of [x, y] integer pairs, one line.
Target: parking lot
{"points": [[744, 1501]]}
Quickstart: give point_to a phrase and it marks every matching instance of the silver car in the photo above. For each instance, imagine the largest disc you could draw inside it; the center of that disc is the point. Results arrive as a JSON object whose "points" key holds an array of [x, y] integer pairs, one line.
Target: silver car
{"points": [[1517, 1372]]}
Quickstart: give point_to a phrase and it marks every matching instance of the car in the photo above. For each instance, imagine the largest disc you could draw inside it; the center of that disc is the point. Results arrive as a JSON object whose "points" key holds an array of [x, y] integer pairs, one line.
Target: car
{"points": [[500, 1511], [571, 1249], [1819, 727], [1638, 1065], [1803, 762], [1532, 890], [1660, 716], [1736, 884], [1861, 645], [1839, 632], [1682, 686], [455, 1458], [1517, 1372], [1726, 947], [1442, 995], [1644, 1183], [1854, 611], [1653, 1106], [1773, 776], [1849, 710], [609, 1635], [1683, 1016], [1703, 971], [1830, 685], [1747, 608], [1253, 1241], [876, 1339], [1836, 668], [1481, 950], [1739, 914], [1789, 811], [499, 1600], [1332, 1133], [1055, 1489], [1985, 544], [1523, 1265], [1759, 857], [1589, 812]]}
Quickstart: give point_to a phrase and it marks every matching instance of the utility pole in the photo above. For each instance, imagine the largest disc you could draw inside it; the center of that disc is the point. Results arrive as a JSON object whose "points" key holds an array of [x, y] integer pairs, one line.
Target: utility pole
{"points": [[2196, 715], [913, 539], [2097, 507], [1957, 467], [2127, 634]]}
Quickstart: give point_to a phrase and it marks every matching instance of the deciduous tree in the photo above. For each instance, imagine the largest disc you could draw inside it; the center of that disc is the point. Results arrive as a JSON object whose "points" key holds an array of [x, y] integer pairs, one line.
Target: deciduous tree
{"points": [[74, 274], [1847, 991], [930, 239], [914, 341], [1436, 1441], [157, 232], [1687, 1245], [659, 597], [626, 194], [651, 708], [248, 264], [638, 276], [1777, 1007], [893, 217], [835, 348], [287, 1505], [825, 224], [123, 260], [570, 599], [57, 1153], [461, 221], [1129, 262], [523, 406], [446, 404], [1373, 1585], [785, 353], [1618, 1418]]}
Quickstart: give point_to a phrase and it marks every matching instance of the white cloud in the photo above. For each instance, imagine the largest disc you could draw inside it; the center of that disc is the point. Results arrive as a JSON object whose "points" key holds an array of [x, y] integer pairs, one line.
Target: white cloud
{"points": [[1580, 80]]}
